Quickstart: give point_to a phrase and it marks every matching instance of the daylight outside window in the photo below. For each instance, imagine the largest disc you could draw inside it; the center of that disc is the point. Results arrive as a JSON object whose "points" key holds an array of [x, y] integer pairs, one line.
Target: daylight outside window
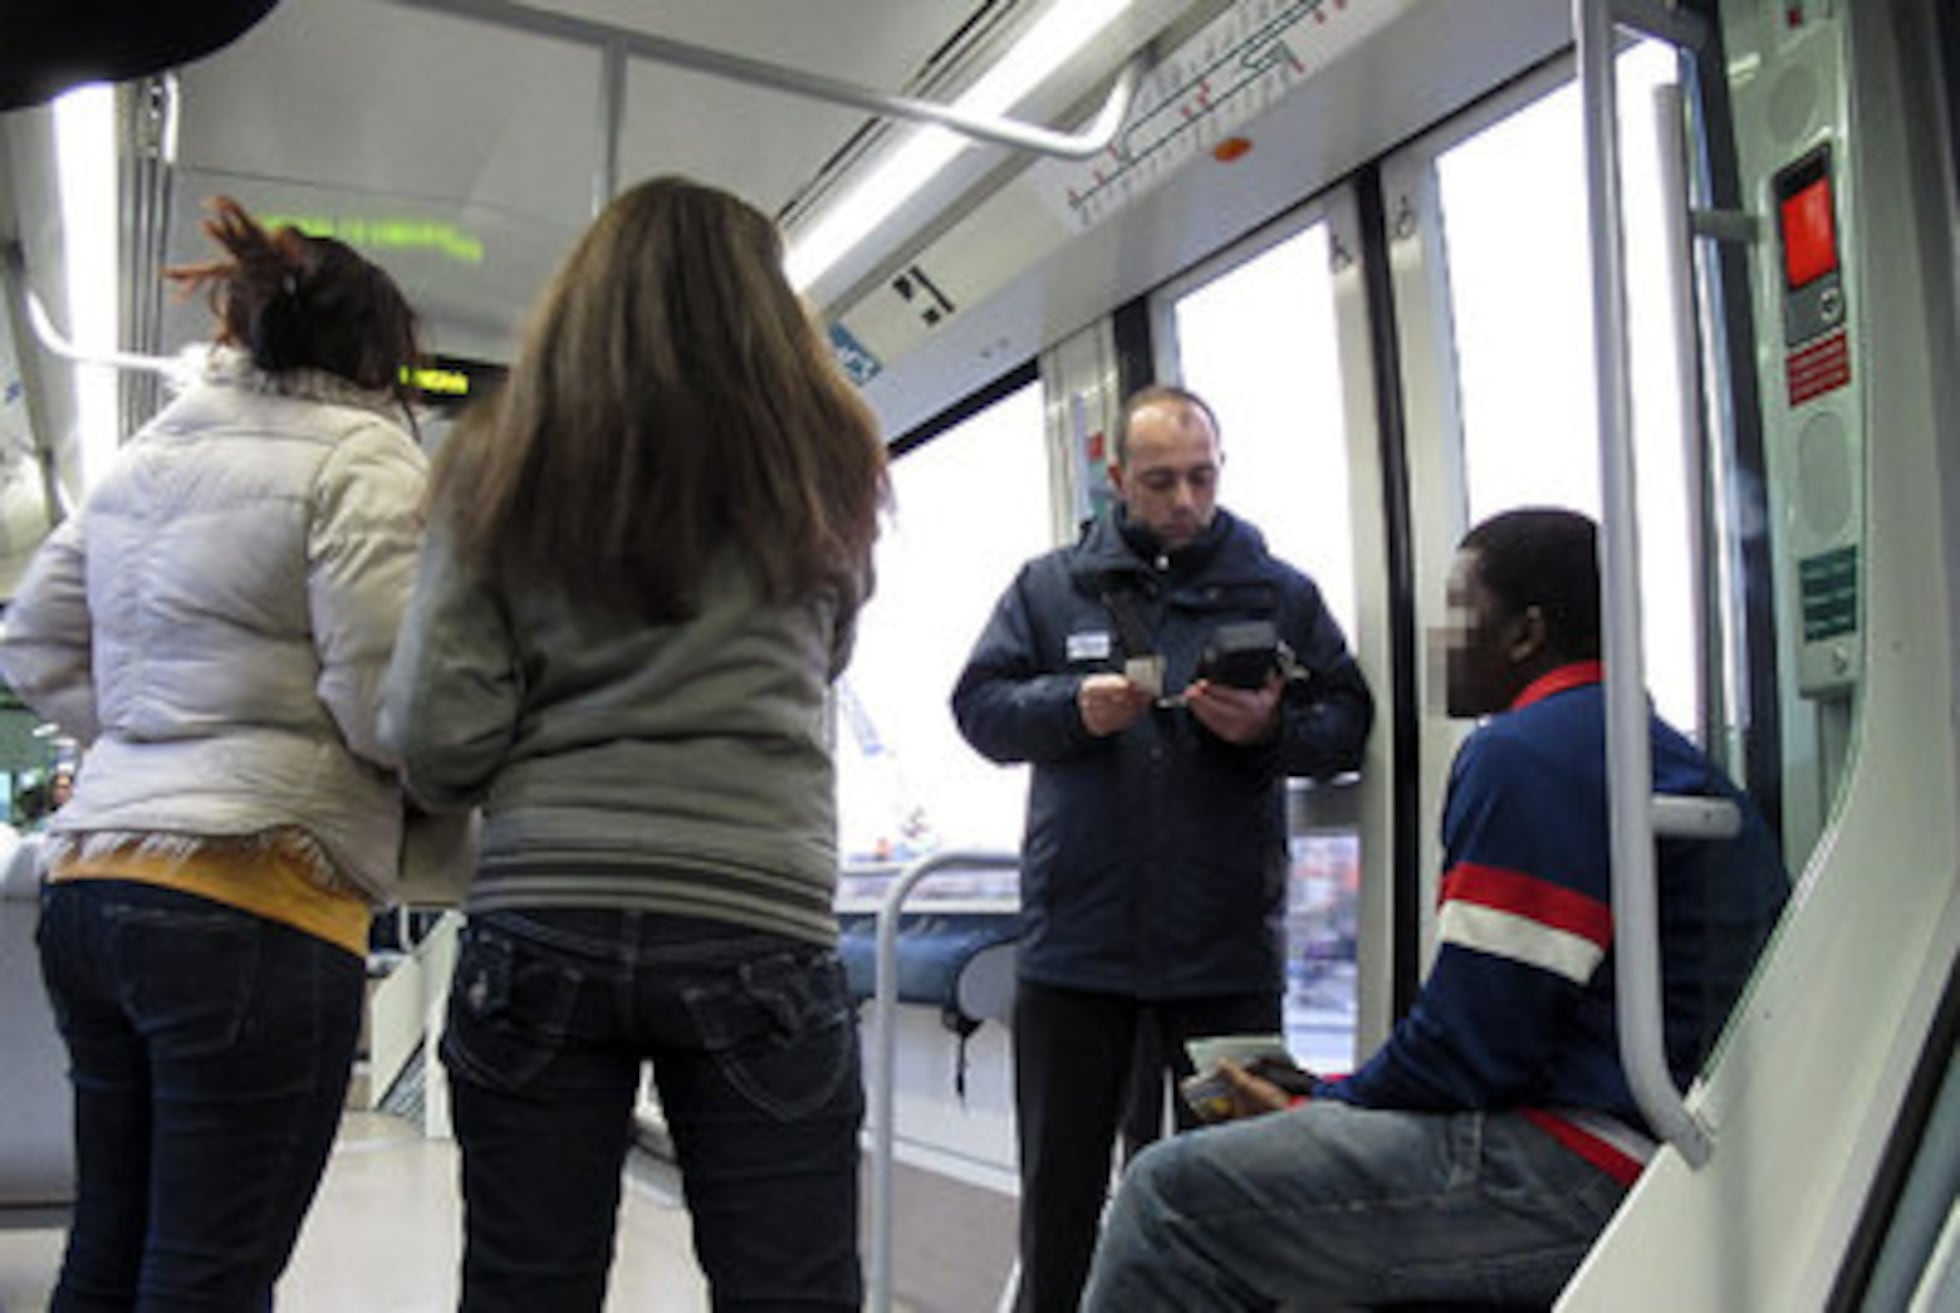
{"points": [[908, 784], [1521, 299], [1258, 342]]}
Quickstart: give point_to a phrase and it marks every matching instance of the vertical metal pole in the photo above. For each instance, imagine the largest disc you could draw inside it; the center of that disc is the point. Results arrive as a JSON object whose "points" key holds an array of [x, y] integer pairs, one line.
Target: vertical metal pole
{"points": [[1676, 204], [1630, 774], [884, 1047], [612, 114], [153, 167]]}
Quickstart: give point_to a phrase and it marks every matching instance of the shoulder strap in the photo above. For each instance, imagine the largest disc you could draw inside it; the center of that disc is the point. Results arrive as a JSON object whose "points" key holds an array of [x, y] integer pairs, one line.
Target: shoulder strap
{"points": [[1121, 605]]}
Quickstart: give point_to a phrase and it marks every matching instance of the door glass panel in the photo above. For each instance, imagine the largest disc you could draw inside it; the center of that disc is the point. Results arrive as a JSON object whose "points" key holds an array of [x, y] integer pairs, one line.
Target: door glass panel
{"points": [[1514, 216], [23, 492], [963, 523], [1258, 343]]}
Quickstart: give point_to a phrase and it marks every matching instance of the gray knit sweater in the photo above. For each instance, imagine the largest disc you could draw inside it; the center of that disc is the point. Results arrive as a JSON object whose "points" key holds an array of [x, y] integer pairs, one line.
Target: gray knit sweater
{"points": [[679, 769]]}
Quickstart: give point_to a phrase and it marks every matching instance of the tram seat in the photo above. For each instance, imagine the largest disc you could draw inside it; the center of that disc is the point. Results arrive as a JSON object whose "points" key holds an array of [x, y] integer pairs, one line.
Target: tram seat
{"points": [[960, 962], [37, 1163]]}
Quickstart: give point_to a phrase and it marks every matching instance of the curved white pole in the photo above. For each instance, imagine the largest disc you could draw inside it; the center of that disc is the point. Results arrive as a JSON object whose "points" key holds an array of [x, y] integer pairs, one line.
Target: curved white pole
{"points": [[1630, 772], [779, 77], [51, 338], [885, 1052]]}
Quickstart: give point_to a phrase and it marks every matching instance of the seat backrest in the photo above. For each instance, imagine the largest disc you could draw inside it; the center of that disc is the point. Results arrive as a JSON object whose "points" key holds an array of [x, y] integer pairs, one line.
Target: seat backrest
{"points": [[37, 1163]]}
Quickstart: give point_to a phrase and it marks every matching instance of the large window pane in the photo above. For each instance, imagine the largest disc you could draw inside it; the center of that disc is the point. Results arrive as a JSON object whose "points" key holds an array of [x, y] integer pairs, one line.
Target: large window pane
{"points": [[23, 499], [971, 507], [1258, 343], [1521, 299]]}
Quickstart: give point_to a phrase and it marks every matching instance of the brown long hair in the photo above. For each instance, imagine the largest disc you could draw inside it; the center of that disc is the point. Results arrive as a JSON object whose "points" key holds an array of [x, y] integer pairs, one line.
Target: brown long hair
{"points": [[672, 398], [299, 302]]}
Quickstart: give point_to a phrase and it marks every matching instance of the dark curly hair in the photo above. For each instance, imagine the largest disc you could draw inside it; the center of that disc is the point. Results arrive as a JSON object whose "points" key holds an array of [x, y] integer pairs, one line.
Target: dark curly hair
{"points": [[1545, 557], [300, 302]]}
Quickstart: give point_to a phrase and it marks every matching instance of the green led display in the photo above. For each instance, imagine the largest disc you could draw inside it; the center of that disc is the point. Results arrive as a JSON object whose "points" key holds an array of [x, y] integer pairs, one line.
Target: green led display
{"points": [[387, 234]]}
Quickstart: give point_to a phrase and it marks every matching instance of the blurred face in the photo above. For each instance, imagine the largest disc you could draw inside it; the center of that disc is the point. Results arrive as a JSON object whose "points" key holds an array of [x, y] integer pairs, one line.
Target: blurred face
{"points": [[1169, 477], [1480, 646]]}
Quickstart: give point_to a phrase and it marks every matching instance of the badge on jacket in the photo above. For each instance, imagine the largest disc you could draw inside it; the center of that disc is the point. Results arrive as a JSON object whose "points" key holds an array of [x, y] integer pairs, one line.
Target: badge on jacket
{"points": [[1092, 645]]}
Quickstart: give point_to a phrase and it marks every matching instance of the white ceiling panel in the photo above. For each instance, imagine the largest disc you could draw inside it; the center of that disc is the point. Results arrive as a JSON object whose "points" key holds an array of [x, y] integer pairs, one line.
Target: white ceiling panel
{"points": [[762, 145], [382, 115], [371, 96], [878, 43]]}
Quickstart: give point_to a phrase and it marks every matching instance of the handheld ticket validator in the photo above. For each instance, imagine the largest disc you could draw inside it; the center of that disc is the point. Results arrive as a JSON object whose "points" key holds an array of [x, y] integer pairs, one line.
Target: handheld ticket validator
{"points": [[1242, 655]]}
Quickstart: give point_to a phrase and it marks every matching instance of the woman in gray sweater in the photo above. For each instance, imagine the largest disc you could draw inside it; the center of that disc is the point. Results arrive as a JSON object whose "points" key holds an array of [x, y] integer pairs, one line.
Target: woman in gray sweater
{"points": [[642, 572]]}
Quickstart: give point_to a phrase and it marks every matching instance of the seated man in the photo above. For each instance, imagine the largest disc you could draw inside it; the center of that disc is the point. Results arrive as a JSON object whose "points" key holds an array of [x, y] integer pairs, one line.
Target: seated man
{"points": [[1483, 1148]]}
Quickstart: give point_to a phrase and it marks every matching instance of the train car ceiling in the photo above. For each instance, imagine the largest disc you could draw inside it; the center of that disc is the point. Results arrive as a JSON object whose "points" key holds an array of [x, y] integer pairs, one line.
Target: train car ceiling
{"points": [[1039, 248], [465, 146]]}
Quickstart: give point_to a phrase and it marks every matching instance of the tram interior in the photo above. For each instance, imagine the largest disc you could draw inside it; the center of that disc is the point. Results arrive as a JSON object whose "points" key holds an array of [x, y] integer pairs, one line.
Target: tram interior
{"points": [[1357, 225]]}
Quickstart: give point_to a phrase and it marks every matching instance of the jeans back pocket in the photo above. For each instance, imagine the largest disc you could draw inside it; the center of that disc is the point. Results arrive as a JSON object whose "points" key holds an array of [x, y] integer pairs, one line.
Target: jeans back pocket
{"points": [[781, 1030], [511, 1007], [189, 977]]}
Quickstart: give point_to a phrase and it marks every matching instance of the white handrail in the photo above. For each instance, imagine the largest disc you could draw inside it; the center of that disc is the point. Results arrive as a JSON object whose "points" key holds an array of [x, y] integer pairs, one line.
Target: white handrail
{"points": [[884, 1019], [1630, 775], [1677, 816], [779, 77], [51, 338]]}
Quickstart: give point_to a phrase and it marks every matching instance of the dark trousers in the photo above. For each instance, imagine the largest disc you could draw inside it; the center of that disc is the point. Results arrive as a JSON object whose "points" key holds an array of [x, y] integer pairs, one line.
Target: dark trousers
{"points": [[754, 1048], [1077, 1077], [209, 1050]]}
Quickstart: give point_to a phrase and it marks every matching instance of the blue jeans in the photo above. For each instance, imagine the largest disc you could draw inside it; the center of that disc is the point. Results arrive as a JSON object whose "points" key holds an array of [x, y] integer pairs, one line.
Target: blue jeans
{"points": [[209, 1050], [1329, 1206], [754, 1048]]}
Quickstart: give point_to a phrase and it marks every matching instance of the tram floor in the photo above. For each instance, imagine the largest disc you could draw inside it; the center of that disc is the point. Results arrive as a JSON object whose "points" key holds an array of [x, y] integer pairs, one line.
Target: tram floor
{"points": [[385, 1234]]}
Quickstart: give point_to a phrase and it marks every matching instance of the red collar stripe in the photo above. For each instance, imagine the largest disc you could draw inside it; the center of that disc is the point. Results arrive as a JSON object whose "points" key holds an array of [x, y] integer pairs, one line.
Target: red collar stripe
{"points": [[1577, 675]]}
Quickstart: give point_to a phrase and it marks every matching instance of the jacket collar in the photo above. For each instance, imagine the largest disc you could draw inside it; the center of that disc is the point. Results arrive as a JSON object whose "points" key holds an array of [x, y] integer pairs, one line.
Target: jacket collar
{"points": [[1576, 675], [1113, 545], [227, 366]]}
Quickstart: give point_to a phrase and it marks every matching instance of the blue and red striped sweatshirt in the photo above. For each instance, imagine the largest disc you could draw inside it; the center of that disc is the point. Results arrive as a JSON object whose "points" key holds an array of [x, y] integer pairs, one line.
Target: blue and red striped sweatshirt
{"points": [[1517, 1013]]}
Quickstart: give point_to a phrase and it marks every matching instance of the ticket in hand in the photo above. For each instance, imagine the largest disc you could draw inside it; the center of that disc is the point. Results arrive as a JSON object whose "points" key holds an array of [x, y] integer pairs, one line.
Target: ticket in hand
{"points": [[1147, 673], [1243, 1050], [1209, 1095], [1265, 1056]]}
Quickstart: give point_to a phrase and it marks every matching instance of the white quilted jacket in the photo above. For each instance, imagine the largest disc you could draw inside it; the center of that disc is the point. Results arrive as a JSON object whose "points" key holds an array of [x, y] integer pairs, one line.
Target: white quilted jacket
{"points": [[215, 622]]}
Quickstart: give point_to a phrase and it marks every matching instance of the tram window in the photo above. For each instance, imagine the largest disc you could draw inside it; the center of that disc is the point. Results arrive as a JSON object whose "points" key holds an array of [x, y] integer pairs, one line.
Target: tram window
{"points": [[23, 499], [1521, 302], [970, 506], [1258, 342], [30, 752]]}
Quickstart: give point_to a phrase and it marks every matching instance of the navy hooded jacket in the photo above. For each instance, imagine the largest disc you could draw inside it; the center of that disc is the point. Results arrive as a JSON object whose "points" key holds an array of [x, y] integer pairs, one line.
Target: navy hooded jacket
{"points": [[1154, 862]]}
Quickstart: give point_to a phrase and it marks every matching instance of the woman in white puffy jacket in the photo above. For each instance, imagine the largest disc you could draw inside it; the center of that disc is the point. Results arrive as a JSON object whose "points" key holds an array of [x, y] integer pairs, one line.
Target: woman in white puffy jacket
{"points": [[213, 625]]}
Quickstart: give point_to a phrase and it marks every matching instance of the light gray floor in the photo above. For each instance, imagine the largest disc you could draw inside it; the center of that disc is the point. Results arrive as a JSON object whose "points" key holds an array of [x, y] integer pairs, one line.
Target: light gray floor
{"points": [[385, 1233]]}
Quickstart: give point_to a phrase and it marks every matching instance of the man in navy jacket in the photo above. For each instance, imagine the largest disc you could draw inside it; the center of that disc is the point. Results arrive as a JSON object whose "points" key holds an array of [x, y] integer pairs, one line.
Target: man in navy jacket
{"points": [[1480, 1152], [1153, 877]]}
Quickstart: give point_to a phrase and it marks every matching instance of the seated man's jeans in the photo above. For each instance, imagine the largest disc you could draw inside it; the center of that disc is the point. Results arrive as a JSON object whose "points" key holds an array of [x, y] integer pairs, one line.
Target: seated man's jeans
{"points": [[1327, 1206], [209, 1050], [754, 1048]]}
